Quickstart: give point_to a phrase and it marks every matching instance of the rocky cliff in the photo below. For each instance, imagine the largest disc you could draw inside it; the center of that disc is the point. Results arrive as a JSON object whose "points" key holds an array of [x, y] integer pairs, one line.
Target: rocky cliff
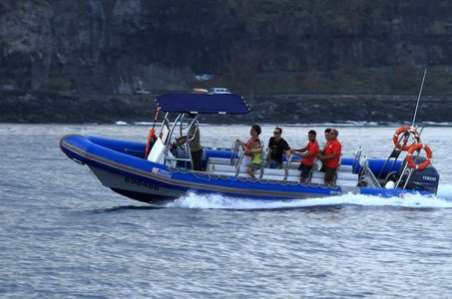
{"points": [[88, 47], [56, 108]]}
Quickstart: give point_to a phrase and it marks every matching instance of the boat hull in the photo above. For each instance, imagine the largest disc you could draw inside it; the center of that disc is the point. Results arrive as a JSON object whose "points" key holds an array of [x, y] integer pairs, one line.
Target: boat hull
{"points": [[120, 166], [135, 187]]}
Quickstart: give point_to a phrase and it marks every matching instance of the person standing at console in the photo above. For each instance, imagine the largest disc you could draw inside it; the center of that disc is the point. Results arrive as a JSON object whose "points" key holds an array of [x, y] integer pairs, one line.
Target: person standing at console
{"points": [[194, 140]]}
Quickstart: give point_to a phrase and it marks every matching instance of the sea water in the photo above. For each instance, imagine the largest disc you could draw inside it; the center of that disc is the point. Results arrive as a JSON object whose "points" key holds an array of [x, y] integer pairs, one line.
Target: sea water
{"points": [[64, 235]]}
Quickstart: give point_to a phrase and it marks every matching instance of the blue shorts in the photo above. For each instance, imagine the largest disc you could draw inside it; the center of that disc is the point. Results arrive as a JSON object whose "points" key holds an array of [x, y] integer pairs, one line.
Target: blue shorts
{"points": [[275, 164]]}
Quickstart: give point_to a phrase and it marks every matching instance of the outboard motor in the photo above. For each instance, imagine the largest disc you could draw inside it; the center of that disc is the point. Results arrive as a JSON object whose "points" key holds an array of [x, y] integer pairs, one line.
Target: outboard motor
{"points": [[425, 180]]}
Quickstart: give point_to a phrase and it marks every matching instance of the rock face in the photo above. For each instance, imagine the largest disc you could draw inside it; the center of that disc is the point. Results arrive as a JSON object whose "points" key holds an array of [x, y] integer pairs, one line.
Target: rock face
{"points": [[87, 47], [56, 108], [26, 44]]}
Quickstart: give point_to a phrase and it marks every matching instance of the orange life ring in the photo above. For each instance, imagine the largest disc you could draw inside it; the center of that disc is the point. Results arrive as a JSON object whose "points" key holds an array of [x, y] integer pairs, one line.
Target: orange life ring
{"points": [[417, 147], [403, 131], [150, 142]]}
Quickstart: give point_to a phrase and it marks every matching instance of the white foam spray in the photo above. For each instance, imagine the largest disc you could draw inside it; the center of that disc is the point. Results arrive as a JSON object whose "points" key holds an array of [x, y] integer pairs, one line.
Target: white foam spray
{"points": [[217, 201]]}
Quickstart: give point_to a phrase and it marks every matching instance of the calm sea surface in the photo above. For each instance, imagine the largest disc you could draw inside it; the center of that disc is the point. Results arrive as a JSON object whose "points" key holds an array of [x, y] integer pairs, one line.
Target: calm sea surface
{"points": [[63, 235]]}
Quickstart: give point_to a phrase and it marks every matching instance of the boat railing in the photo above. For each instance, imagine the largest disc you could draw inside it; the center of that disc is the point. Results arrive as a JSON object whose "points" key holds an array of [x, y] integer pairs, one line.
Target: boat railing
{"points": [[369, 175], [184, 124], [175, 160], [406, 174], [358, 155], [287, 166], [235, 152], [165, 128], [240, 155]]}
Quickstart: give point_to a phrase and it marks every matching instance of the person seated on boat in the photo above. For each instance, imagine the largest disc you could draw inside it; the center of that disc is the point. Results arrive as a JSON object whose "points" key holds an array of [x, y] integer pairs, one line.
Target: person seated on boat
{"points": [[277, 146], [309, 154], [253, 150], [330, 156], [194, 140]]}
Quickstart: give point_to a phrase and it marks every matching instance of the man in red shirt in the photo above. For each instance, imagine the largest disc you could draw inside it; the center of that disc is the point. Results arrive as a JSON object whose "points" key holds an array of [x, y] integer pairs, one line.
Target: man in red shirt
{"points": [[309, 154], [330, 156]]}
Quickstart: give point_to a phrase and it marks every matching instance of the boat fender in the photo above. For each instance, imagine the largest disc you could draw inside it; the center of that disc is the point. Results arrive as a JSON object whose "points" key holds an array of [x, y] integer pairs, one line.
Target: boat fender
{"points": [[150, 142], [390, 185], [401, 143], [417, 147]]}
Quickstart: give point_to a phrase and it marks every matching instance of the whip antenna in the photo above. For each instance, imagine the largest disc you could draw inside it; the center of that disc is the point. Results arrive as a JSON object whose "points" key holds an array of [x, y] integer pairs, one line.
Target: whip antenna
{"points": [[419, 98]]}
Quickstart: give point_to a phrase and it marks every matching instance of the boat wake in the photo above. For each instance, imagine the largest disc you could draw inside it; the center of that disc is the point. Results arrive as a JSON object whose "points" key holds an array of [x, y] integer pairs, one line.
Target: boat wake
{"points": [[217, 201]]}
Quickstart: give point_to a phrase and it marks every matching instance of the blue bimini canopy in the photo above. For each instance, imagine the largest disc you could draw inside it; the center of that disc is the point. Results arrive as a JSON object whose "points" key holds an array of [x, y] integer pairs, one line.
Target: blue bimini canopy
{"points": [[202, 103]]}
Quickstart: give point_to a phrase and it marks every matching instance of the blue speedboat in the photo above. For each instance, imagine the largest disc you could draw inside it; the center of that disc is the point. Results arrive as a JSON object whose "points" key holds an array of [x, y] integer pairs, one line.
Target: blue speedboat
{"points": [[156, 172]]}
